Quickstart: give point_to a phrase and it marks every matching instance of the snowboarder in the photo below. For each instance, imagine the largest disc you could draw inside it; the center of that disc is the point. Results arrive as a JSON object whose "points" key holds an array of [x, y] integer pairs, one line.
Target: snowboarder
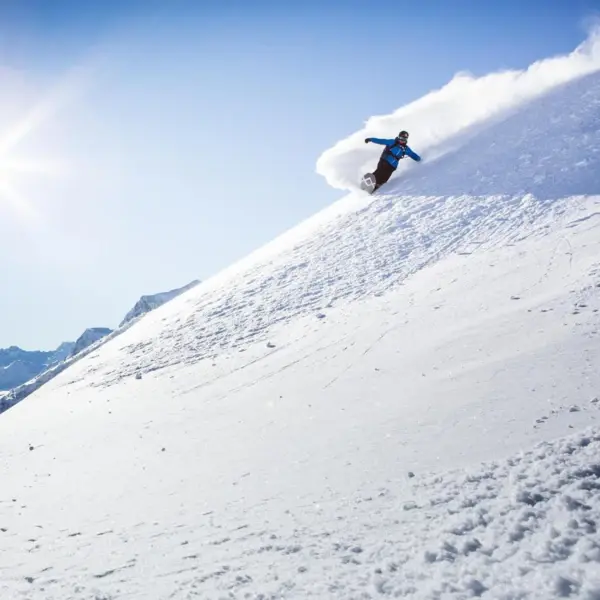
{"points": [[395, 150]]}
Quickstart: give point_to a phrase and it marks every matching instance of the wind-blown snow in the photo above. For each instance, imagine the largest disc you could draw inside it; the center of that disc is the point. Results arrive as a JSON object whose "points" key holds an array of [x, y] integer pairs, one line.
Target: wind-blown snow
{"points": [[464, 102], [399, 398]]}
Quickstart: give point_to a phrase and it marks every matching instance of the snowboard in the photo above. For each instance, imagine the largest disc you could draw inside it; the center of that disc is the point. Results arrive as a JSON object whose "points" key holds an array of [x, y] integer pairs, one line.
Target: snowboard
{"points": [[368, 183]]}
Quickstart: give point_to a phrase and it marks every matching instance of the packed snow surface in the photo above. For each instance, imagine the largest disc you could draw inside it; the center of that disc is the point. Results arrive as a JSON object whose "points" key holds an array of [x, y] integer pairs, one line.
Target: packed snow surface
{"points": [[398, 398]]}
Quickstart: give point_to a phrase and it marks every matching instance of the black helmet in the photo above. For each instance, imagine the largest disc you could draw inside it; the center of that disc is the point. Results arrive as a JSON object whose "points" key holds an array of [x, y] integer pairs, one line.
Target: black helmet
{"points": [[403, 134]]}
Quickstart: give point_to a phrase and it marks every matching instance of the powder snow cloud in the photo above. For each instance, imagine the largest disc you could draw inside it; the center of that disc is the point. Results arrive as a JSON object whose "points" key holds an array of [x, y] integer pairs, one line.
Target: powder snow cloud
{"points": [[464, 102]]}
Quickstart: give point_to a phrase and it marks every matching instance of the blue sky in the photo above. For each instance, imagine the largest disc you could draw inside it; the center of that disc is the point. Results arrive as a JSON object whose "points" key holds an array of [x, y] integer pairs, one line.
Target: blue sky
{"points": [[165, 140]]}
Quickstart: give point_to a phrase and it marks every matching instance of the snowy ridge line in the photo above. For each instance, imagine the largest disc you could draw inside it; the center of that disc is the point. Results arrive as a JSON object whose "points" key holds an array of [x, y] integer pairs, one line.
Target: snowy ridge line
{"points": [[143, 306], [21, 392], [353, 256], [149, 302]]}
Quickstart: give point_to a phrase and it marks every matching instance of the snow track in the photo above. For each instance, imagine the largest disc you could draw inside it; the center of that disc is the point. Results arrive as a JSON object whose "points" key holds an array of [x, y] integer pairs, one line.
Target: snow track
{"points": [[357, 255]]}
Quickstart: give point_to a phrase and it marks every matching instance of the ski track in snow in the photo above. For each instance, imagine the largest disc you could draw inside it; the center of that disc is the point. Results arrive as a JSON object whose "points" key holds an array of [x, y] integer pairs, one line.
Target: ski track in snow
{"points": [[364, 253]]}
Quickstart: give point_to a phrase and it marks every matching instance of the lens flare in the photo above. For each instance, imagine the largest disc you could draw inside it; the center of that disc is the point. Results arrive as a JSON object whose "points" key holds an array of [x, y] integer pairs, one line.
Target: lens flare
{"points": [[14, 165]]}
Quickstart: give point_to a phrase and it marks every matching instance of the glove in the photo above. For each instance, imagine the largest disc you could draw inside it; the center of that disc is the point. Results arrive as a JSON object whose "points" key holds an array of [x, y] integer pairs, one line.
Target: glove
{"points": [[367, 140]]}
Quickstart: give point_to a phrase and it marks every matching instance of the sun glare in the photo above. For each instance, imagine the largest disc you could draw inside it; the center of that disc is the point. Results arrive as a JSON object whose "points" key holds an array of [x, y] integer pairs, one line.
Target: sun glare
{"points": [[14, 166], [9, 195]]}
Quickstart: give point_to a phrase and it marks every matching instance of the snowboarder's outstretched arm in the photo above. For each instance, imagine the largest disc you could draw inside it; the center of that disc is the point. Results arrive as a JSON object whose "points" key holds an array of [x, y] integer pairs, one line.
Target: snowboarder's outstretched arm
{"points": [[412, 154], [381, 141]]}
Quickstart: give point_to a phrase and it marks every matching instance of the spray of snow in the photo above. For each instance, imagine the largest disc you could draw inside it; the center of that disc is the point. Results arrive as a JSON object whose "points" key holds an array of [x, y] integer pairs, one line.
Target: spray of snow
{"points": [[464, 102]]}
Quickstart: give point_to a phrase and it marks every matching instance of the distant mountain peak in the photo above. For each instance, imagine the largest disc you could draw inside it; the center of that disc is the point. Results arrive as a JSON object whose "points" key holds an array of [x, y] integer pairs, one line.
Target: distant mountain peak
{"points": [[149, 302], [22, 372], [90, 336], [18, 365]]}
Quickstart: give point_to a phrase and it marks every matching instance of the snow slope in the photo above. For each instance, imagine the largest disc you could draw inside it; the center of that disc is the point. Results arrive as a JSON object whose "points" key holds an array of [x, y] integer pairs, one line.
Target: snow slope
{"points": [[398, 398]]}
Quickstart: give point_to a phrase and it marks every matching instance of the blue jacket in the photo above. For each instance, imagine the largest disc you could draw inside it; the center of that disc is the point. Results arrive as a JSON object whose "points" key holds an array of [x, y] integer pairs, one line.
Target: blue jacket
{"points": [[396, 151]]}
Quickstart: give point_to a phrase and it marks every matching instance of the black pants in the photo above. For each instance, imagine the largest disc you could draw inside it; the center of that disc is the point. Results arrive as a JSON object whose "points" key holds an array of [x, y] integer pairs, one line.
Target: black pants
{"points": [[383, 172]]}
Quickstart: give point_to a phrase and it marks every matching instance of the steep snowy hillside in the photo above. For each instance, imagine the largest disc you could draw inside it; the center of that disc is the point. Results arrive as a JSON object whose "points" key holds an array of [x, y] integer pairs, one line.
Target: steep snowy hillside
{"points": [[397, 398]]}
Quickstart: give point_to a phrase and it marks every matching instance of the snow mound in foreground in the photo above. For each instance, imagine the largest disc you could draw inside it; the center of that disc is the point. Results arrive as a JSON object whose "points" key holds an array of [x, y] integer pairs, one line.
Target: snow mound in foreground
{"points": [[525, 527]]}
